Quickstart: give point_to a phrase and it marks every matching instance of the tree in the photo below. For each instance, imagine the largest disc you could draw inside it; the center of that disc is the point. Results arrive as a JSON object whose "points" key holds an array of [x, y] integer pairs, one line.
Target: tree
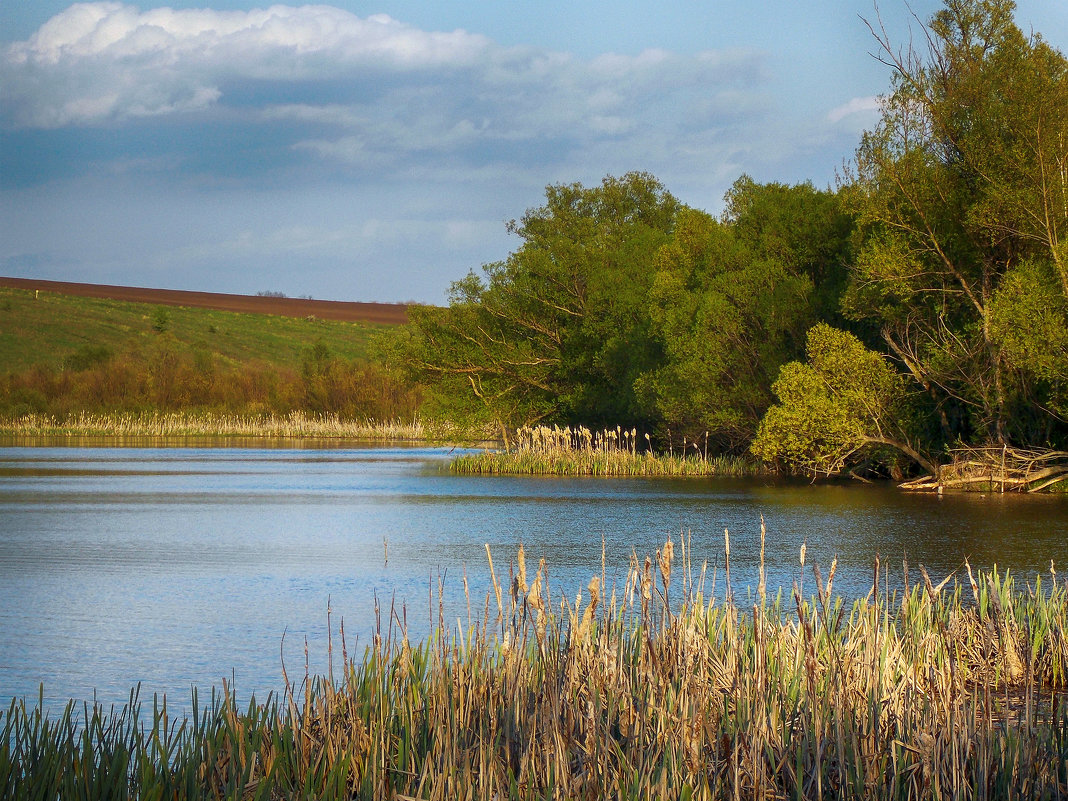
{"points": [[732, 299], [835, 408], [558, 330], [964, 183]]}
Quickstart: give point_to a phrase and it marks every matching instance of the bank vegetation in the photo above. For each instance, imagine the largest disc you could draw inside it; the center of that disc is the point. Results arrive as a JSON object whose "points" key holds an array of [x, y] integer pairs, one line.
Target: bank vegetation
{"points": [[910, 323]]}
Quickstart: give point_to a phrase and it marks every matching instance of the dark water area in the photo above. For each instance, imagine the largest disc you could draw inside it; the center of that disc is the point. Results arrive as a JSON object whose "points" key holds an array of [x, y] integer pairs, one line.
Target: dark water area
{"points": [[182, 567]]}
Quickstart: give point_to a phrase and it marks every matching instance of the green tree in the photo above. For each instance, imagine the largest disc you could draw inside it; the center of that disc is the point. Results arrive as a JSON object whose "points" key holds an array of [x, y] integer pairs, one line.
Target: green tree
{"points": [[963, 183], [732, 300], [559, 330], [834, 409]]}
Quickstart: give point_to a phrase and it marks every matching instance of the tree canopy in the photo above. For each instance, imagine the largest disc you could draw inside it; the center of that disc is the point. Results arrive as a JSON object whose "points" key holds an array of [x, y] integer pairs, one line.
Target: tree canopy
{"points": [[731, 301], [920, 307], [961, 193], [558, 329]]}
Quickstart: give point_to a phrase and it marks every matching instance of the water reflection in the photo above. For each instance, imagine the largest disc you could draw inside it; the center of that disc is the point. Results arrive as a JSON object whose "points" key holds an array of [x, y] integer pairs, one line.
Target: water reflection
{"points": [[183, 566]]}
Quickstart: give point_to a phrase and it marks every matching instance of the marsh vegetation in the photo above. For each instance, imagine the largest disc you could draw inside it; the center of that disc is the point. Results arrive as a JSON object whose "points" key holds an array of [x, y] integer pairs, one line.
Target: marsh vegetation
{"points": [[674, 685], [544, 450]]}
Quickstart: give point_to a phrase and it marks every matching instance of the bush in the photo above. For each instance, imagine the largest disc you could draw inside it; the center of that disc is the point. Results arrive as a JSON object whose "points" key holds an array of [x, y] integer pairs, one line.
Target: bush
{"points": [[87, 356]]}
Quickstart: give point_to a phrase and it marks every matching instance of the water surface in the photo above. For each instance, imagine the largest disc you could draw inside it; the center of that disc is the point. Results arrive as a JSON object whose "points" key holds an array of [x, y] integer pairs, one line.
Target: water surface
{"points": [[181, 567]]}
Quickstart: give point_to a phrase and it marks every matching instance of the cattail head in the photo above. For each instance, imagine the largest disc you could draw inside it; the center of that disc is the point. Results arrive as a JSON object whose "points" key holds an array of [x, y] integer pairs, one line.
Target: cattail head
{"points": [[522, 570], [647, 579], [665, 557]]}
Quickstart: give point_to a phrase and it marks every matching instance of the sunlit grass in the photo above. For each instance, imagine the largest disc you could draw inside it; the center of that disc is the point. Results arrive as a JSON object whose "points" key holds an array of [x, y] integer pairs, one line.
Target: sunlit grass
{"points": [[545, 450], [45, 329], [664, 687]]}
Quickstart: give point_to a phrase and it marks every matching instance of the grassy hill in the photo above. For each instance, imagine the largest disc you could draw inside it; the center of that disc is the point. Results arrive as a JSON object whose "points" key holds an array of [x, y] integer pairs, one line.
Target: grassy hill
{"points": [[49, 329], [63, 356]]}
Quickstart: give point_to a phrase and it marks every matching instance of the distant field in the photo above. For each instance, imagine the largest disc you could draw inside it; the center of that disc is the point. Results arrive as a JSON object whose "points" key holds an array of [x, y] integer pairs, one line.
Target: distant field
{"points": [[47, 326], [384, 313]]}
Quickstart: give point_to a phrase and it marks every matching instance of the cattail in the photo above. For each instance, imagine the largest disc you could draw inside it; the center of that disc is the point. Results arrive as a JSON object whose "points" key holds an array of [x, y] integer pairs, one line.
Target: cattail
{"points": [[521, 559], [665, 558], [762, 587], [594, 588]]}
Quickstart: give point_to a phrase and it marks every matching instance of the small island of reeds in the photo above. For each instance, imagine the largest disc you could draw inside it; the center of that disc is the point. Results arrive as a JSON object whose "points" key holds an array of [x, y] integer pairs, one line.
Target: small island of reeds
{"points": [[577, 451], [649, 690]]}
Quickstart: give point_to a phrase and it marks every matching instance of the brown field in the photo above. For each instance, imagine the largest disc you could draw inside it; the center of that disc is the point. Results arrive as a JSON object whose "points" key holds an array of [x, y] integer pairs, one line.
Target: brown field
{"points": [[383, 313]]}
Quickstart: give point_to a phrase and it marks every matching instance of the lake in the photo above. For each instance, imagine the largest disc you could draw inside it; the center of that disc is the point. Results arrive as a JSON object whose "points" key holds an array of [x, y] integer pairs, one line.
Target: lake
{"points": [[178, 567]]}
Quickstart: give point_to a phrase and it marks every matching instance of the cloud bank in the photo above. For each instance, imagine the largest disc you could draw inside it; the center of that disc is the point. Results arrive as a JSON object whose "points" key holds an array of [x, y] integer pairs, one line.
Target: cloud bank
{"points": [[368, 92], [122, 127]]}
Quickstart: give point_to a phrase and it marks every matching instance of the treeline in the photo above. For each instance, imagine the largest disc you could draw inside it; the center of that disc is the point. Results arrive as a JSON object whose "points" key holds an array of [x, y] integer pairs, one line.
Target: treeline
{"points": [[919, 307], [167, 377]]}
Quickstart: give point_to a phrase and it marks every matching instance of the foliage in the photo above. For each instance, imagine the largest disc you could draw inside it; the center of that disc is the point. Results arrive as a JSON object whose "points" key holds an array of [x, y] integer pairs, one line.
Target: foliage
{"points": [[558, 329], [844, 399], [962, 186], [732, 299], [161, 320], [1029, 322], [87, 356]]}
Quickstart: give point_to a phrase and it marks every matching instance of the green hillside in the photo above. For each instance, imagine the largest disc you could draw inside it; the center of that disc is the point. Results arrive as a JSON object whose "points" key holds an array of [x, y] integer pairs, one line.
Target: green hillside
{"points": [[51, 329]]}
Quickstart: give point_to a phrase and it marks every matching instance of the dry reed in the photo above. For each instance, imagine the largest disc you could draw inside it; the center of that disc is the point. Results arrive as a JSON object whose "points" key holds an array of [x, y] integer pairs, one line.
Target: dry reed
{"points": [[648, 690], [189, 424], [545, 450]]}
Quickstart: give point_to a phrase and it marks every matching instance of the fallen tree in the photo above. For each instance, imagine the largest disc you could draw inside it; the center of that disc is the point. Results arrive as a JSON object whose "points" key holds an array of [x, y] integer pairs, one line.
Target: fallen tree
{"points": [[996, 469]]}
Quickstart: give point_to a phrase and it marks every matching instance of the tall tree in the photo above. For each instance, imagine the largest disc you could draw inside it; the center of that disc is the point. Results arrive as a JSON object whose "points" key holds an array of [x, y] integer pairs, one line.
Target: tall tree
{"points": [[732, 300], [962, 186], [559, 329]]}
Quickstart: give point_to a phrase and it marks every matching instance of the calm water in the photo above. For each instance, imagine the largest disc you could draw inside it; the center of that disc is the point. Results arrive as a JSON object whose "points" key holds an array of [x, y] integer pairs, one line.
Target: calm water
{"points": [[177, 567]]}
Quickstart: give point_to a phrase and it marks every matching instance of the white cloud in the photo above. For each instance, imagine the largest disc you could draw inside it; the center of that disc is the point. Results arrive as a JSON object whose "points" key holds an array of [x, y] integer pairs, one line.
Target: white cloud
{"points": [[297, 96], [106, 62], [858, 105], [100, 61]]}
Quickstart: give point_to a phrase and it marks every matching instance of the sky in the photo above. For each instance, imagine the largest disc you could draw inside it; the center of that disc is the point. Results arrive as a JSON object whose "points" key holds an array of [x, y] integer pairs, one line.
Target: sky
{"points": [[375, 150]]}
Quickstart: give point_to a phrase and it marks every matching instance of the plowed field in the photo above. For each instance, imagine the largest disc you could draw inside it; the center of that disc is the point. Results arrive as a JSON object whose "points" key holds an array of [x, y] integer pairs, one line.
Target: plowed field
{"points": [[384, 313]]}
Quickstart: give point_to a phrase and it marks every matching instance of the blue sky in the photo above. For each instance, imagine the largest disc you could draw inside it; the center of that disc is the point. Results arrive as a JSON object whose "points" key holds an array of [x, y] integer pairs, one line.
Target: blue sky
{"points": [[375, 151]]}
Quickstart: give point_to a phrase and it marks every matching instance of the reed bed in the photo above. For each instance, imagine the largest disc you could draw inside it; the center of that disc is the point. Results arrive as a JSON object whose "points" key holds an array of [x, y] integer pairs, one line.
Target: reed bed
{"points": [[645, 690], [544, 450], [190, 424]]}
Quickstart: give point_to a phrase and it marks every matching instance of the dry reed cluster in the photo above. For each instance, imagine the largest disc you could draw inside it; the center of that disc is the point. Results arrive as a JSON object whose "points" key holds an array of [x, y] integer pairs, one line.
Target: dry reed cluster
{"points": [[642, 691], [545, 450], [184, 424]]}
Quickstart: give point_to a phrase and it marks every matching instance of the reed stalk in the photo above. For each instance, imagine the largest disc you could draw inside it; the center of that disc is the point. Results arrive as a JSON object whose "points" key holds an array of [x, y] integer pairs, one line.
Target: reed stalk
{"points": [[545, 450], [192, 424], [649, 690]]}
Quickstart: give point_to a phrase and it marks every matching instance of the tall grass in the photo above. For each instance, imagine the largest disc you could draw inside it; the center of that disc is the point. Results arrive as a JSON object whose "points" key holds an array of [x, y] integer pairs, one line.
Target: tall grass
{"points": [[544, 450], [186, 424], [646, 690]]}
